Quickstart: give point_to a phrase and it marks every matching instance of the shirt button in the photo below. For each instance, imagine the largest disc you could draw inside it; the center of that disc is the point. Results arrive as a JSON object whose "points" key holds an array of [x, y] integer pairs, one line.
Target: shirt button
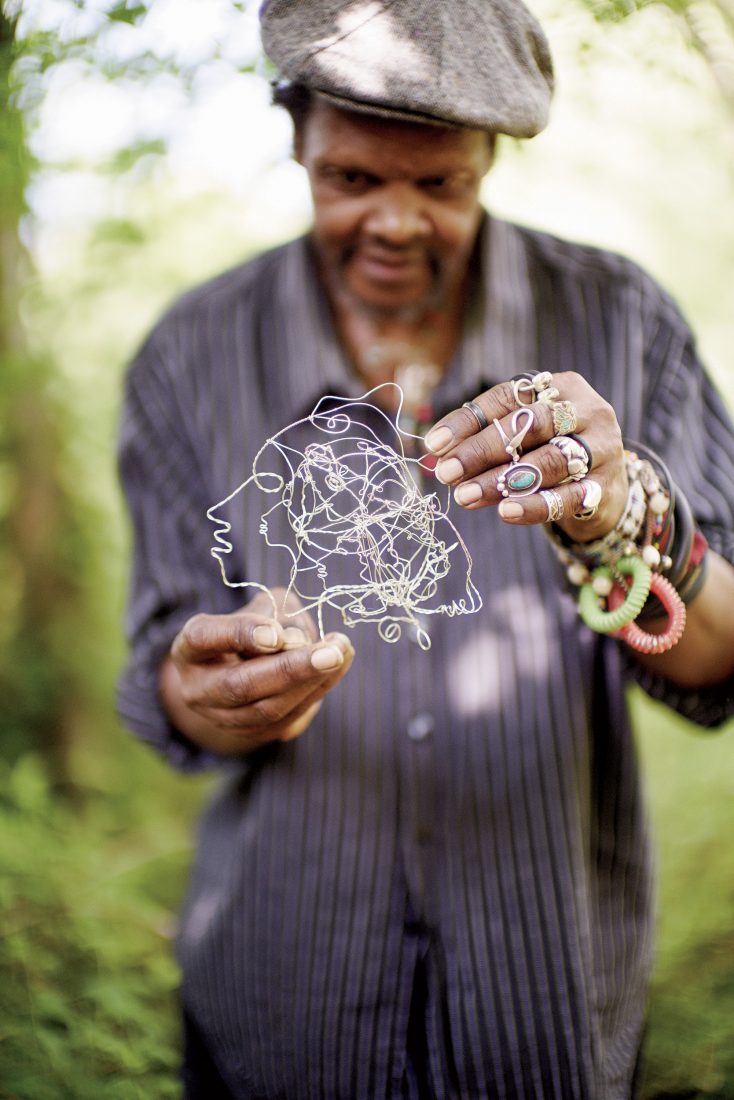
{"points": [[420, 727]]}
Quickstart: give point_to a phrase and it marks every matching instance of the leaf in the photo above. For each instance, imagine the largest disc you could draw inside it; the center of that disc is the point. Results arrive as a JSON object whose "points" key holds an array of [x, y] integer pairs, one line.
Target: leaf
{"points": [[29, 783], [127, 13], [127, 158]]}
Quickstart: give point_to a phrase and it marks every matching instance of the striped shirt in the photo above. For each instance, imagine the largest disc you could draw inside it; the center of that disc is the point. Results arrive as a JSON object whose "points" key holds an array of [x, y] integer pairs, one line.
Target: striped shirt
{"points": [[442, 888]]}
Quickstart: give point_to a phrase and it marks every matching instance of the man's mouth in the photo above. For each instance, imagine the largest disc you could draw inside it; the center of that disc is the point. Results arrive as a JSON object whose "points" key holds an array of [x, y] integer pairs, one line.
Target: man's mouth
{"points": [[390, 266]]}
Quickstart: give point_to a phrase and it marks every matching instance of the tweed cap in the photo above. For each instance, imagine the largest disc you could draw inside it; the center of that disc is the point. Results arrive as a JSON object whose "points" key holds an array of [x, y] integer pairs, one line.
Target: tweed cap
{"points": [[483, 64]]}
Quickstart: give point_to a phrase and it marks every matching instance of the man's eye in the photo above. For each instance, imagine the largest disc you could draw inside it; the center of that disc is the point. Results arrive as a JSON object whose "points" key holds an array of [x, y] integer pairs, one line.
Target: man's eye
{"points": [[446, 187], [443, 186], [353, 179], [346, 179]]}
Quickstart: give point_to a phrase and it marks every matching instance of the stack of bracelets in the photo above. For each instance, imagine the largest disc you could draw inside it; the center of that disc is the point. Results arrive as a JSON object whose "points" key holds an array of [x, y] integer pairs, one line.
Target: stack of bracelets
{"points": [[620, 576]]}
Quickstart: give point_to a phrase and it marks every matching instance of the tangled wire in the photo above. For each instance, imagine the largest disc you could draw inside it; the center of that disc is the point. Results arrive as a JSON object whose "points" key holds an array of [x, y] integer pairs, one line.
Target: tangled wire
{"points": [[352, 495]]}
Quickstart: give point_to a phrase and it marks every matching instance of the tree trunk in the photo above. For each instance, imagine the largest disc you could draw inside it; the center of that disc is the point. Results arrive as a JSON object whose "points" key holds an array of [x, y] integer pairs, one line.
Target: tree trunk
{"points": [[36, 588]]}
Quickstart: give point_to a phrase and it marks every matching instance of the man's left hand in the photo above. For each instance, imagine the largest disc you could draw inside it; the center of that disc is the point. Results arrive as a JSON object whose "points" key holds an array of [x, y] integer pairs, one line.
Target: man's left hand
{"points": [[472, 459]]}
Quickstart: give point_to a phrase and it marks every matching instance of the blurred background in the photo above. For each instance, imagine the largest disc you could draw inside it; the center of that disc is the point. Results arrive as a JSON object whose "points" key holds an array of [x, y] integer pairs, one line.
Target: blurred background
{"points": [[138, 155]]}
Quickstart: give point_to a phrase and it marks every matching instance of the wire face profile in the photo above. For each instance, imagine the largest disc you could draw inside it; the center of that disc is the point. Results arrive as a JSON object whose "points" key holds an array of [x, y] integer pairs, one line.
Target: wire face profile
{"points": [[347, 507]]}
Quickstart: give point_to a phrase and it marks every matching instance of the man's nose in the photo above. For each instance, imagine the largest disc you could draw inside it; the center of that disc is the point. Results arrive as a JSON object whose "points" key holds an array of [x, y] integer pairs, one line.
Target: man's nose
{"points": [[397, 215]]}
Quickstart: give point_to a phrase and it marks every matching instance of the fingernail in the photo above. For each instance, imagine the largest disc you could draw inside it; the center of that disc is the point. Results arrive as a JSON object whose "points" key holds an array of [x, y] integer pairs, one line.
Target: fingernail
{"points": [[438, 438], [510, 509], [266, 637], [449, 470], [467, 494], [293, 637], [327, 656]]}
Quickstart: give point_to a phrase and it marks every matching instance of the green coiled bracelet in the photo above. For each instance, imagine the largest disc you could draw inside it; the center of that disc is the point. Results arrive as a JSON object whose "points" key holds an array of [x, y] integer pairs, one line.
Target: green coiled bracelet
{"points": [[605, 622]]}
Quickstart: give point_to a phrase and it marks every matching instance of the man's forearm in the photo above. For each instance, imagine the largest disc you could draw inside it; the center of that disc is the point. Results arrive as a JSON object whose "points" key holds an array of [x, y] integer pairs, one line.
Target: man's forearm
{"points": [[705, 653]]}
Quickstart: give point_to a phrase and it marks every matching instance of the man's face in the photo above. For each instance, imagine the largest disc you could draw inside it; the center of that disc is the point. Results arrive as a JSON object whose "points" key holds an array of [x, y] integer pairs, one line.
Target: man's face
{"points": [[396, 205]]}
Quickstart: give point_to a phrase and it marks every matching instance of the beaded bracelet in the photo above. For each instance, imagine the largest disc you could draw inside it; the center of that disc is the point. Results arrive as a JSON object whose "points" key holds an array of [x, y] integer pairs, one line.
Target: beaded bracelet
{"points": [[655, 533], [687, 568], [644, 495]]}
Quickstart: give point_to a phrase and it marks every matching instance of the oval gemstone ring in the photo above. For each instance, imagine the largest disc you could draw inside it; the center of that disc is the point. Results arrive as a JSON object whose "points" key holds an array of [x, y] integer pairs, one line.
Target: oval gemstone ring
{"points": [[521, 480]]}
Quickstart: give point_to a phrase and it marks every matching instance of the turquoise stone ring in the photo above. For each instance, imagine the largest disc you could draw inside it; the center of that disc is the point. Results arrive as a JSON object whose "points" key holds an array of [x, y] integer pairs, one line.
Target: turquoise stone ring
{"points": [[520, 480]]}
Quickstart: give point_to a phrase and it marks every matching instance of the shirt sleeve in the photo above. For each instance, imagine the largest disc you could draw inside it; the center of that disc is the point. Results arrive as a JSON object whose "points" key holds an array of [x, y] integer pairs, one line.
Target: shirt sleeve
{"points": [[689, 426], [173, 576]]}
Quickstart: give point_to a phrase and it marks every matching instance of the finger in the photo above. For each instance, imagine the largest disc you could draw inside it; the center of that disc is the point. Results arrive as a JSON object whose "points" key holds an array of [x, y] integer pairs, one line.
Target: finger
{"points": [[270, 712], [302, 715], [541, 468], [262, 715], [491, 447], [294, 637], [230, 686], [500, 403], [251, 725], [207, 637], [299, 723], [536, 508], [462, 423], [298, 624]]}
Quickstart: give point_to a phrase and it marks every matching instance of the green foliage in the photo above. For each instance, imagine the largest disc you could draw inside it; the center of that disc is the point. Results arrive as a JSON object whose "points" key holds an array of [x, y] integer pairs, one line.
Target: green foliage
{"points": [[44, 534], [126, 12], [127, 158], [34, 524], [14, 161], [89, 892], [90, 883], [706, 25], [88, 1003], [690, 776], [616, 10]]}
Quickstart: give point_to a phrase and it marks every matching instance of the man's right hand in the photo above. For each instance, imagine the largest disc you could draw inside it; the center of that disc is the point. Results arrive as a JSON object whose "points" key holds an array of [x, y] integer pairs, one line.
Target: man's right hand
{"points": [[233, 683]]}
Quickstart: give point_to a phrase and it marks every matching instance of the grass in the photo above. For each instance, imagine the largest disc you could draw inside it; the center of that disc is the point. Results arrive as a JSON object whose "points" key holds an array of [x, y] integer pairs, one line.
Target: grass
{"points": [[89, 895], [87, 980], [690, 780]]}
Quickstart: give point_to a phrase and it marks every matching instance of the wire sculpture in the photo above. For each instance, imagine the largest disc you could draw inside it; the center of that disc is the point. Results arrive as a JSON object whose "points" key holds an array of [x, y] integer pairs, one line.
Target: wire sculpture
{"points": [[349, 493]]}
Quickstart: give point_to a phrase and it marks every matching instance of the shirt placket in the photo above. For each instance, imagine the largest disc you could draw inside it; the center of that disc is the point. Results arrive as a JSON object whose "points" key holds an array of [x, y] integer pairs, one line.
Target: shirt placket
{"points": [[417, 754], [416, 731]]}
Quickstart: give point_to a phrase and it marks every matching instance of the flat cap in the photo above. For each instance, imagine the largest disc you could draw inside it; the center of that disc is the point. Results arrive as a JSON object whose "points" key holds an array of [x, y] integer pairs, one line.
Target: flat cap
{"points": [[483, 64]]}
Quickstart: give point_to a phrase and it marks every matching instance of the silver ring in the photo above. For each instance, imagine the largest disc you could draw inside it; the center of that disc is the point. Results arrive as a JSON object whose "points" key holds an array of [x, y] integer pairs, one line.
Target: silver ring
{"points": [[537, 387], [513, 446], [592, 499], [520, 433], [549, 396], [554, 504], [564, 418], [575, 454], [542, 380], [506, 441], [477, 413], [582, 443], [523, 386]]}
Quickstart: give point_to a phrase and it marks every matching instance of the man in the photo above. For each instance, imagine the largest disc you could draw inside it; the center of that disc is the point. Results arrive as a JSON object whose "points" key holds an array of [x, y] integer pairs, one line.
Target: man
{"points": [[428, 877]]}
